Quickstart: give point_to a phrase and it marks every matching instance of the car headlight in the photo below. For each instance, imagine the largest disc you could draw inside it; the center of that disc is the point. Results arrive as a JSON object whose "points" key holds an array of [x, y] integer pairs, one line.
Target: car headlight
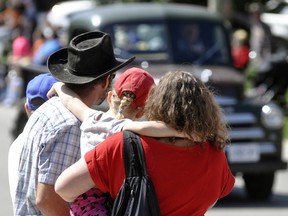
{"points": [[272, 116]]}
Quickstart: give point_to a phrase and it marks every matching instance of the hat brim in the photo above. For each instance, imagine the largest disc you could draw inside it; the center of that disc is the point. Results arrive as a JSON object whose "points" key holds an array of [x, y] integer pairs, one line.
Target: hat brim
{"points": [[57, 65]]}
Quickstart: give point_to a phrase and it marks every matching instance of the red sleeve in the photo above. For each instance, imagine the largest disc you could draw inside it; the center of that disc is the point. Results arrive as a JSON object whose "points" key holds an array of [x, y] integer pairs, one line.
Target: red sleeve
{"points": [[105, 164], [229, 180]]}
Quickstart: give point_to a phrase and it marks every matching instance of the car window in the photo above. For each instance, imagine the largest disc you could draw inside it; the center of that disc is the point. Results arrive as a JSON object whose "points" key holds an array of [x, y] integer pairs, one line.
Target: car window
{"points": [[199, 42], [140, 37], [174, 41], [145, 40]]}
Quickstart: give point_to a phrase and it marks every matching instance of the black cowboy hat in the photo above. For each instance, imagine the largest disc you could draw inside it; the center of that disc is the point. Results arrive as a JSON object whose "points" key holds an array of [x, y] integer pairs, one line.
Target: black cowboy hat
{"points": [[88, 57]]}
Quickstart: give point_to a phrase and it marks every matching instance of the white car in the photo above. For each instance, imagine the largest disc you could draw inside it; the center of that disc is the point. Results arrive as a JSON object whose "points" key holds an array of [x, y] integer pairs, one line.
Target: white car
{"points": [[59, 14], [276, 16]]}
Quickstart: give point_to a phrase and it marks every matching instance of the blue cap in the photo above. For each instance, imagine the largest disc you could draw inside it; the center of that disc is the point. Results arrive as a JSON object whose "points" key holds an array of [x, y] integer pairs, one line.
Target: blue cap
{"points": [[38, 87]]}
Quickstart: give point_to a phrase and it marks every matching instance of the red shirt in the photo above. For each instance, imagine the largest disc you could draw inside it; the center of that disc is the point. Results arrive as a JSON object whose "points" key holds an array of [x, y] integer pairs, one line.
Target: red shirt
{"points": [[187, 180], [240, 56]]}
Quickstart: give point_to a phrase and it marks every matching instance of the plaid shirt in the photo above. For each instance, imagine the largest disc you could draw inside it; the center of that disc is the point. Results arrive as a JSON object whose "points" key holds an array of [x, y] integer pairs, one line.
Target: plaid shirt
{"points": [[51, 143]]}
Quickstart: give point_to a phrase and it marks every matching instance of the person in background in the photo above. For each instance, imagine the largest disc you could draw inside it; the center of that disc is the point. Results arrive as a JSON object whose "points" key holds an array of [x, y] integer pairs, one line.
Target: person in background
{"points": [[51, 44], [191, 44], [191, 174], [19, 56], [51, 136], [240, 48], [38, 40], [36, 95], [260, 39], [126, 103]]}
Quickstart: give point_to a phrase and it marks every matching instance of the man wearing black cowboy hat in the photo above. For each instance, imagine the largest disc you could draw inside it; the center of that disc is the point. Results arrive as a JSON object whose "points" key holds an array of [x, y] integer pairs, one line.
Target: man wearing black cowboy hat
{"points": [[51, 138]]}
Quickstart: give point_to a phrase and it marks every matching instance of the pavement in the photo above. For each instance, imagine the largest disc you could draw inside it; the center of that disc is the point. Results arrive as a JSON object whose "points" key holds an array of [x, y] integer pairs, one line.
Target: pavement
{"points": [[7, 116]]}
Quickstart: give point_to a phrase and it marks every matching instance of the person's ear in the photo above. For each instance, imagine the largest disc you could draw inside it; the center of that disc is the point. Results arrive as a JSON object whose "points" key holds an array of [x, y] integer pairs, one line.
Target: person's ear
{"points": [[109, 97], [26, 107], [140, 112], [27, 110], [106, 82]]}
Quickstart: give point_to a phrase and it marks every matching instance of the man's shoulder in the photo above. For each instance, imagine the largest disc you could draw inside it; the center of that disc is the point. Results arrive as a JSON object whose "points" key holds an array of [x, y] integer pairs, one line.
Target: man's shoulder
{"points": [[54, 101], [53, 105], [54, 111]]}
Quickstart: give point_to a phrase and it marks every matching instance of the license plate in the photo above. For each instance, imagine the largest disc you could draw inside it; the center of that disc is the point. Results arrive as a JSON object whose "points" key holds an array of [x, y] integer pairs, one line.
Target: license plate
{"points": [[238, 153]]}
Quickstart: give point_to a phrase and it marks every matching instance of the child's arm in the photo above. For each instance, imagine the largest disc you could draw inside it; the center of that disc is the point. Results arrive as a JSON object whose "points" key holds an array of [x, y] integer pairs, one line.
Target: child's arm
{"points": [[153, 129], [70, 100]]}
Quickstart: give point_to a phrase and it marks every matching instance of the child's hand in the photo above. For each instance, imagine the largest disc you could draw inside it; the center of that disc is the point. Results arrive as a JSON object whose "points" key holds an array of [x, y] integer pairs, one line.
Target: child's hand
{"points": [[55, 89]]}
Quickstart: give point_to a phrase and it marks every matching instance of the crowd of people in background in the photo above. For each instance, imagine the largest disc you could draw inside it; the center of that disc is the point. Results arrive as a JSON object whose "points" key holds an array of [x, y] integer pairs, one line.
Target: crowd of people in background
{"points": [[26, 37]]}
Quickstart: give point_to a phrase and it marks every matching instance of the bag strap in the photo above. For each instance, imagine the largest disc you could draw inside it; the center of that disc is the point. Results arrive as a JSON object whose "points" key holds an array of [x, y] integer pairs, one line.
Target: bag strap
{"points": [[134, 159]]}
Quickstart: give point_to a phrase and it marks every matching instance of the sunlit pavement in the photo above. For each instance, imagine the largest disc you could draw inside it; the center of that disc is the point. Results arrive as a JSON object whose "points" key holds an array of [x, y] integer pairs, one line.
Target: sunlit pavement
{"points": [[7, 116]]}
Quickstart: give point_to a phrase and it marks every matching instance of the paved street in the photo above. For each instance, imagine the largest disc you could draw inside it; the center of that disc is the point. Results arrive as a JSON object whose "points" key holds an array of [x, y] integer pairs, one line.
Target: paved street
{"points": [[7, 116], [234, 205]]}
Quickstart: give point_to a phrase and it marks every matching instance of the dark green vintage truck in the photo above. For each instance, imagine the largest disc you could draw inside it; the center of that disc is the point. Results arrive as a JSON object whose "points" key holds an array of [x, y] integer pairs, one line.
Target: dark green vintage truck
{"points": [[166, 37]]}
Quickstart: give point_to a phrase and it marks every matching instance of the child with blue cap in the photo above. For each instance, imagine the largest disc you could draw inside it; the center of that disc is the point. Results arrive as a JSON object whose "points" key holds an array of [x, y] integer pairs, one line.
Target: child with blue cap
{"points": [[36, 91]]}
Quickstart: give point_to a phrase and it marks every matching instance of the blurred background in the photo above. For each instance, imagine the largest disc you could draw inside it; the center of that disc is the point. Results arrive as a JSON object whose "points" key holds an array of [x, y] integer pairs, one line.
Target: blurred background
{"points": [[30, 30]]}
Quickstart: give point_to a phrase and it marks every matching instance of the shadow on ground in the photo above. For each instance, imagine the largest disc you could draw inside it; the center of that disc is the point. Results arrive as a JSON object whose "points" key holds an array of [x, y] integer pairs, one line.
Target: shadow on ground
{"points": [[238, 198]]}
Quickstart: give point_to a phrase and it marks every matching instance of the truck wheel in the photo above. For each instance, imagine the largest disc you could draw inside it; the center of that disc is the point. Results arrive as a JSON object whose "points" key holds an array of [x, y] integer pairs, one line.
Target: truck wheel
{"points": [[259, 186]]}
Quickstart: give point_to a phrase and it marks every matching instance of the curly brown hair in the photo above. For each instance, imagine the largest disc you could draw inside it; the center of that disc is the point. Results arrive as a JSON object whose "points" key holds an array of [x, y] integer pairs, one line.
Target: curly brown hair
{"points": [[185, 103]]}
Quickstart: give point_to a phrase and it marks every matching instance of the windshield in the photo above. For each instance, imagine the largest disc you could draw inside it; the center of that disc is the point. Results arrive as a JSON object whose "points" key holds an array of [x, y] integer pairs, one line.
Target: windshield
{"points": [[199, 42], [174, 41]]}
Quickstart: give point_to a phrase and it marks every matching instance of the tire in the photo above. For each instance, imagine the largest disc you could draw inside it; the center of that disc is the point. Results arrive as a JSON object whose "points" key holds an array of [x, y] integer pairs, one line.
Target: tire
{"points": [[259, 186]]}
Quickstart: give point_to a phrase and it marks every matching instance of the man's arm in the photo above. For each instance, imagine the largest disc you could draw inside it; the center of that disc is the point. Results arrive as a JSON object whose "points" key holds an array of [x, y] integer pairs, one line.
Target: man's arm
{"points": [[49, 202], [152, 128], [65, 143], [70, 100]]}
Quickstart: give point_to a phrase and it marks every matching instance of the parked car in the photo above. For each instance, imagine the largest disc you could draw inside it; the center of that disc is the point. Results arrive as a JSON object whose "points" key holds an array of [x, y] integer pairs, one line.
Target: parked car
{"points": [[276, 16], [59, 14], [156, 35]]}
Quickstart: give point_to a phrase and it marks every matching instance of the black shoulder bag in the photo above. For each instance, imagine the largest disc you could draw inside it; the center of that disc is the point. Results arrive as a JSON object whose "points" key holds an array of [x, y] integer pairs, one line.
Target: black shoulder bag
{"points": [[137, 195]]}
